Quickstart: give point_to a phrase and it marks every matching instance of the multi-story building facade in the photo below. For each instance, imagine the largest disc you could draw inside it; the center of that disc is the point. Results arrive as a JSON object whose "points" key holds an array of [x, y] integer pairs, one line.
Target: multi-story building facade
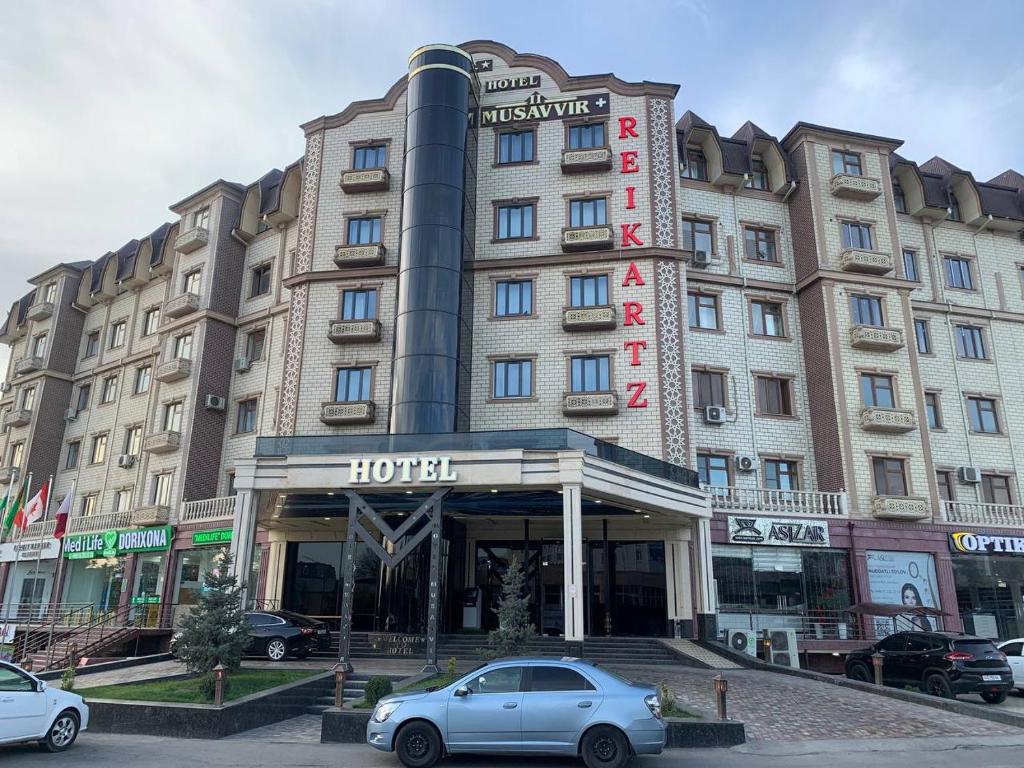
{"points": [[401, 335]]}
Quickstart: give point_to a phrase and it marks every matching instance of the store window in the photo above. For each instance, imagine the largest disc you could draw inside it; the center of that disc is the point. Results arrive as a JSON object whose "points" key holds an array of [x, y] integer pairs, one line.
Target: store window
{"points": [[903, 578], [193, 564], [94, 582], [988, 591]]}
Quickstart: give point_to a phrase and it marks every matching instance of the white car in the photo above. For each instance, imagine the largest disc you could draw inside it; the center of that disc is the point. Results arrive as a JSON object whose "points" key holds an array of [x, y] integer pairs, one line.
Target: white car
{"points": [[1014, 650], [31, 710]]}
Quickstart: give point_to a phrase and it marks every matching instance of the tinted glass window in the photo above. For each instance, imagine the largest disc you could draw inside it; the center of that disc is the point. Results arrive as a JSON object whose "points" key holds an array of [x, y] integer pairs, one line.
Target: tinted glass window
{"points": [[918, 643], [13, 681], [893, 643], [258, 619], [1013, 649], [503, 680], [558, 679], [977, 647]]}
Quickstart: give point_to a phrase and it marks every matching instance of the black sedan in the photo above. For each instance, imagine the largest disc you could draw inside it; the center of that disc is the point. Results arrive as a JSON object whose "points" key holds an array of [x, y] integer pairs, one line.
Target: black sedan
{"points": [[279, 634]]}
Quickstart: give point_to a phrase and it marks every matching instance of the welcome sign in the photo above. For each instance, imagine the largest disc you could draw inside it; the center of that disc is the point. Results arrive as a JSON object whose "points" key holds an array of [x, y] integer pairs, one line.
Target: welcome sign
{"points": [[116, 543]]}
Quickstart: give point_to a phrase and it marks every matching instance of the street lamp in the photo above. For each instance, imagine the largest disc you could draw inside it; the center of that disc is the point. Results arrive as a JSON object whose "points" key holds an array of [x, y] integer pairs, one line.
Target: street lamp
{"points": [[218, 675], [721, 687], [339, 684]]}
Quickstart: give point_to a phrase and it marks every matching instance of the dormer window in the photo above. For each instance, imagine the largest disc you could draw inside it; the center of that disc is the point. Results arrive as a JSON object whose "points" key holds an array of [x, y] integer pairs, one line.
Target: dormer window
{"points": [[846, 162], [758, 173], [954, 209], [374, 156], [695, 166], [899, 199], [201, 218]]}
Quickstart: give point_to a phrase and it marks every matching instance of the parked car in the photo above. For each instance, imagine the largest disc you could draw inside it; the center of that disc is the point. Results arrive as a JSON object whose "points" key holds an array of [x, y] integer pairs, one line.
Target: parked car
{"points": [[31, 710], [523, 706], [945, 664], [1014, 650], [280, 634]]}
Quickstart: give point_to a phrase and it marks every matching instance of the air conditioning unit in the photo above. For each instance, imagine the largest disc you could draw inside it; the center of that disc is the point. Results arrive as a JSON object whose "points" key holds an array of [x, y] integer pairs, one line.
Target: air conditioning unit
{"points": [[126, 461], [783, 647], [745, 462], [242, 364], [743, 641], [5, 387], [215, 403], [968, 474], [71, 414], [714, 414], [700, 259]]}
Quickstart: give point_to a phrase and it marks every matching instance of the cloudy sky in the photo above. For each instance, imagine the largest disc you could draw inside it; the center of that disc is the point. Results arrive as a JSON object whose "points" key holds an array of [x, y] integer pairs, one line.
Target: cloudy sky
{"points": [[110, 111]]}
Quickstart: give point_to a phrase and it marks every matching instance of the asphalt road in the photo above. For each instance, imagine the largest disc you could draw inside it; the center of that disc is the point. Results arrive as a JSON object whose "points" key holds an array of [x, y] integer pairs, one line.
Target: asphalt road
{"points": [[157, 752]]}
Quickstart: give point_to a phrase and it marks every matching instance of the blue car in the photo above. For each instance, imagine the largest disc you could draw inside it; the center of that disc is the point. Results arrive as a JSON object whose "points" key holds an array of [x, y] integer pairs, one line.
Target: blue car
{"points": [[523, 706]]}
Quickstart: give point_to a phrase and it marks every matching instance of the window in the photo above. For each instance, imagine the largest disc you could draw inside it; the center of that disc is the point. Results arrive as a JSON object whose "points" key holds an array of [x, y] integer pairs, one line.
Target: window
{"points": [[513, 298], [501, 680], [161, 489], [856, 235], [513, 378], [117, 334], [50, 293], [89, 505], [92, 344], [557, 679], [99, 449], [766, 318], [39, 345], [591, 373], [947, 489], [183, 347], [876, 391], [588, 291], [899, 199], [958, 273], [71, 457], [702, 309], [364, 231], [246, 421], [696, 166], [132, 441], [983, 415], [933, 409], [924, 339], [84, 391], [515, 222], [359, 304], [515, 147], [708, 388], [781, 475], [143, 376], [890, 476], [151, 321], [588, 213], [970, 342], [108, 391], [172, 417], [846, 162], [123, 500], [352, 385], [28, 398], [910, 270], [995, 489], [374, 156], [587, 136], [758, 173], [773, 396], [759, 245], [254, 341], [866, 310], [713, 469], [259, 283], [15, 682], [697, 236], [193, 282], [954, 209], [201, 218], [17, 454]]}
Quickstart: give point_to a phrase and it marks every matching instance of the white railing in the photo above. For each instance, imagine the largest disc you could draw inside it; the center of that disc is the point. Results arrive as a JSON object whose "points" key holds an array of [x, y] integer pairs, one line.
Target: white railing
{"points": [[221, 508], [40, 530], [94, 523], [979, 513], [731, 498]]}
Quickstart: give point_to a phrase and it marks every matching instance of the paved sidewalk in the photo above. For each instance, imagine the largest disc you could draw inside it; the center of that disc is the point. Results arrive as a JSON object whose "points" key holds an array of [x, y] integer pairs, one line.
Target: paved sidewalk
{"points": [[302, 729]]}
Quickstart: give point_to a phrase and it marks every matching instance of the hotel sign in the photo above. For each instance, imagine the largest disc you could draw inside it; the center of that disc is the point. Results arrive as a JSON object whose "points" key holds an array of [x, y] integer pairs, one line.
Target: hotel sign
{"points": [[405, 469], [115, 543], [499, 84], [537, 107], [983, 544], [779, 533]]}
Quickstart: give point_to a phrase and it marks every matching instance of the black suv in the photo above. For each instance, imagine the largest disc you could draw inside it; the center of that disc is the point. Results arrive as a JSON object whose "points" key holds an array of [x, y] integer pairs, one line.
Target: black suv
{"points": [[943, 664]]}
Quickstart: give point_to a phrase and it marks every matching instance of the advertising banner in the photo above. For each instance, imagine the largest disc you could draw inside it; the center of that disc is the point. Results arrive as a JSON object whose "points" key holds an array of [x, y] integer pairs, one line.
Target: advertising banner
{"points": [[116, 543], [777, 532], [43, 549], [902, 578]]}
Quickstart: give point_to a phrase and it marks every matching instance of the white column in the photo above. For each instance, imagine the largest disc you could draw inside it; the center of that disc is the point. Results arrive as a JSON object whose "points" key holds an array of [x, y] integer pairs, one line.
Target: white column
{"points": [[572, 538], [707, 602], [243, 536]]}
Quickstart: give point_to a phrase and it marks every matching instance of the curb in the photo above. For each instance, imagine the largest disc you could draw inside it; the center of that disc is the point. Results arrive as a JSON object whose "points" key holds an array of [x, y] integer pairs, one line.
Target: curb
{"points": [[108, 666]]}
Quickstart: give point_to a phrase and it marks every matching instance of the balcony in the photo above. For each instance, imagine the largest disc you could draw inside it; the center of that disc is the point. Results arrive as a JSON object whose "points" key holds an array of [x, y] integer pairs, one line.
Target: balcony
{"points": [[95, 523], [978, 513], [353, 331], [6, 475], [359, 255], [865, 262], [361, 412], [19, 417], [180, 306], [586, 238], [28, 365], [370, 180], [192, 240], [588, 318], [855, 187], [889, 420], [877, 339], [207, 510], [41, 529], [39, 311], [162, 442], [590, 404], [586, 160], [776, 502], [174, 370], [899, 508], [151, 514]]}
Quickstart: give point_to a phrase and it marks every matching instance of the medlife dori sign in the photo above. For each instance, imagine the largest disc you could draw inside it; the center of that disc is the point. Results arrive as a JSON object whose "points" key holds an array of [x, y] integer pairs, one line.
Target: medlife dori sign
{"points": [[115, 543], [404, 469], [777, 532]]}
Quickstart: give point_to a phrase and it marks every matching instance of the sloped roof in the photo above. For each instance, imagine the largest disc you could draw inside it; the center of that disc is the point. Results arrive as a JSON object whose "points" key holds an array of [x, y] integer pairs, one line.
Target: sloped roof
{"points": [[126, 259], [1008, 178], [156, 239]]}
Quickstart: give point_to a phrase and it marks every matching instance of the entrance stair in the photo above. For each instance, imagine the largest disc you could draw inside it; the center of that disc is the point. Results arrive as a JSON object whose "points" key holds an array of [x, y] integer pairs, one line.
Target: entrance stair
{"points": [[354, 686]]}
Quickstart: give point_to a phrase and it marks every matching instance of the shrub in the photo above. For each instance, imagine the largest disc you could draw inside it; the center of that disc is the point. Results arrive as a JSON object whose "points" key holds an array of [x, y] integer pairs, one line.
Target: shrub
{"points": [[67, 680], [376, 688], [451, 667]]}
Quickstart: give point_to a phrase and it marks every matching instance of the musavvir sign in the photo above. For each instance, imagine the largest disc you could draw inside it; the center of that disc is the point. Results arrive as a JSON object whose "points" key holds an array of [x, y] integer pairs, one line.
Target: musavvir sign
{"points": [[115, 543]]}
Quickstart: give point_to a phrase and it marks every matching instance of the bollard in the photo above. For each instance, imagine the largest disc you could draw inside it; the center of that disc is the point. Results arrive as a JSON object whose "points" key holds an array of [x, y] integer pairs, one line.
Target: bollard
{"points": [[218, 675], [26, 664], [876, 662], [339, 685], [767, 641], [721, 687]]}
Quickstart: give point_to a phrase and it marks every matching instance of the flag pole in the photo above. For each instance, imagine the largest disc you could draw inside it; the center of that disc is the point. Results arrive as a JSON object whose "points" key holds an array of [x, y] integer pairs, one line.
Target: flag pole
{"points": [[21, 534], [42, 526], [15, 479], [57, 587]]}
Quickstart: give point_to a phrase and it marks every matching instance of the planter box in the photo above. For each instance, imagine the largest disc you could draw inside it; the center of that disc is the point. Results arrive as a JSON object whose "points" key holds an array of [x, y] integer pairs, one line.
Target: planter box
{"points": [[353, 331], [359, 255], [586, 160], [877, 339], [192, 240], [891, 420], [371, 180], [855, 187], [866, 262], [588, 318], [590, 404], [900, 508], [586, 238], [347, 413]]}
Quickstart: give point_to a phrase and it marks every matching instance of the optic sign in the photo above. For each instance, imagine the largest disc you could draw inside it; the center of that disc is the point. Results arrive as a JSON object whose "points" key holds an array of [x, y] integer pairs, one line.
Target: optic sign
{"points": [[779, 533], [115, 543], [536, 107], [632, 310], [407, 469], [983, 544]]}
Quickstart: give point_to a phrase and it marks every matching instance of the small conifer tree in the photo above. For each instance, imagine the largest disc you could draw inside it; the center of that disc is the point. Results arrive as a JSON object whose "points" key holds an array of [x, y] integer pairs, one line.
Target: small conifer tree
{"points": [[514, 628]]}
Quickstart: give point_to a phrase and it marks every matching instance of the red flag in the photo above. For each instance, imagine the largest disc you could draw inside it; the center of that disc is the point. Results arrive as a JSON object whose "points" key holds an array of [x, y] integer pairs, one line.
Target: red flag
{"points": [[62, 516], [34, 510]]}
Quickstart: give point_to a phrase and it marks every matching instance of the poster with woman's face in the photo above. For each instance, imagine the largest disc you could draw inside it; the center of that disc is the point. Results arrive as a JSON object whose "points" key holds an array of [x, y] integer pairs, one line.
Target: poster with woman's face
{"points": [[902, 578]]}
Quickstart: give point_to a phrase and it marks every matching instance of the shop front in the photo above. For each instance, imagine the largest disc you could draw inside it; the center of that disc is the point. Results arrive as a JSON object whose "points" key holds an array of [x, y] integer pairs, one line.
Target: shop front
{"points": [[195, 552], [30, 567], [989, 572]]}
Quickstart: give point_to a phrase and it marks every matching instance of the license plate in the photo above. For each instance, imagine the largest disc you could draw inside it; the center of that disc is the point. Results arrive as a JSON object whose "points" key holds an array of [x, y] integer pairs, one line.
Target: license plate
{"points": [[992, 678]]}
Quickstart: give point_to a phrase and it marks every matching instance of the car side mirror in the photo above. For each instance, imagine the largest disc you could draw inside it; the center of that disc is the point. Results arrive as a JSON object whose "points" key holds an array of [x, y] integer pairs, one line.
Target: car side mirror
{"points": [[463, 690], [41, 686]]}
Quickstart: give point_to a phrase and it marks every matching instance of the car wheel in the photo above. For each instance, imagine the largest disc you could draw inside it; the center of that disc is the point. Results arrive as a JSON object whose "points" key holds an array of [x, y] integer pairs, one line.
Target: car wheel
{"points": [[604, 747], [276, 649], [62, 733], [860, 672], [938, 685], [418, 745], [994, 697]]}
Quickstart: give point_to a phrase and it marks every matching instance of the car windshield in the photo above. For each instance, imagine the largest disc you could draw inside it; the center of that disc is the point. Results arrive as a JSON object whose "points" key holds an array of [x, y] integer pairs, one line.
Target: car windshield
{"points": [[977, 647], [296, 618]]}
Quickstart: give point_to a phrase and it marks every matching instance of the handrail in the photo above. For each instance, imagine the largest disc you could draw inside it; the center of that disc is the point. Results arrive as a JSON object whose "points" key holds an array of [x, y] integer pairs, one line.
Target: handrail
{"points": [[219, 508], [774, 500], [983, 513]]}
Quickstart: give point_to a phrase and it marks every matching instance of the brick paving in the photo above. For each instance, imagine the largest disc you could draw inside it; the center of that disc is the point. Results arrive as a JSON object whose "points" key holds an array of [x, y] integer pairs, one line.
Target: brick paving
{"points": [[304, 729]]}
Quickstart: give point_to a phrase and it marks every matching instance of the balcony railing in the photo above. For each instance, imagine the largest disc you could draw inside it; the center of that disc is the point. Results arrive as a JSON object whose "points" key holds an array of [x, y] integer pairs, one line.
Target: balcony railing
{"points": [[588, 318], [174, 370], [205, 510], [869, 262], [875, 338], [40, 530], [162, 442], [586, 238], [39, 311], [192, 240], [900, 508], [182, 305], [590, 404], [352, 331], [94, 523], [19, 417], [774, 501], [585, 160], [151, 514], [359, 255], [980, 513], [855, 187], [890, 420], [28, 365], [369, 180], [347, 413]]}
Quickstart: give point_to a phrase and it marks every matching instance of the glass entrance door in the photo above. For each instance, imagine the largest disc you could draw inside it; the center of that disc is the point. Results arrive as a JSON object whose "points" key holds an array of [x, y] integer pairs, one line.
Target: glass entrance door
{"points": [[631, 596]]}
